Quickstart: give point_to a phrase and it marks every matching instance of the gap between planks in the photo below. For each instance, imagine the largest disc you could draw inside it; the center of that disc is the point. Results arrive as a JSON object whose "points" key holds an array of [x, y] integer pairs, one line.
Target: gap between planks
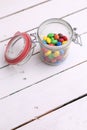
{"points": [[50, 111], [20, 11]]}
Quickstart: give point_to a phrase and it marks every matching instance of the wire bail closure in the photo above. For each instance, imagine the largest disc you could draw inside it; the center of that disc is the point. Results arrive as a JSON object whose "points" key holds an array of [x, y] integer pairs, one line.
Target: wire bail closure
{"points": [[34, 35], [76, 37]]}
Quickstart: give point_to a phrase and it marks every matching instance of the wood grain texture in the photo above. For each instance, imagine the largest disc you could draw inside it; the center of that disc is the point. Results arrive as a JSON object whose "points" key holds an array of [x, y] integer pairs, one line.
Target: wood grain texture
{"points": [[13, 7], [71, 117]]}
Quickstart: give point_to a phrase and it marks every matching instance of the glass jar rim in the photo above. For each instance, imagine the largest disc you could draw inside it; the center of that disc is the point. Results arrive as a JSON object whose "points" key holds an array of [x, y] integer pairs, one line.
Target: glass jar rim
{"points": [[56, 20]]}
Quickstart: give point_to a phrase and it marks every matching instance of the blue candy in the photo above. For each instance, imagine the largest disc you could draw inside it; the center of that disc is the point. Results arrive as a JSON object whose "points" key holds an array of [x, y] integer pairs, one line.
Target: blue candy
{"points": [[62, 52], [44, 42], [59, 43]]}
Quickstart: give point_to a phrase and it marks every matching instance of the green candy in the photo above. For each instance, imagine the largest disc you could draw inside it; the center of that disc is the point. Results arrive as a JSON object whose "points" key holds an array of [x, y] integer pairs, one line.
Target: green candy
{"points": [[51, 56], [54, 41], [50, 35]]}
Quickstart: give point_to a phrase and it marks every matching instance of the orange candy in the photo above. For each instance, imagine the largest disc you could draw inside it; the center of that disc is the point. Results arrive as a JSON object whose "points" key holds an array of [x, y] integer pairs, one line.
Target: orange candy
{"points": [[56, 36]]}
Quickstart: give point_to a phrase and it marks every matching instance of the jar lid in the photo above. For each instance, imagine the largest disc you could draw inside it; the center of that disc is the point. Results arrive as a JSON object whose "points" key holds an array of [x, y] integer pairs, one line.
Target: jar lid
{"points": [[18, 48]]}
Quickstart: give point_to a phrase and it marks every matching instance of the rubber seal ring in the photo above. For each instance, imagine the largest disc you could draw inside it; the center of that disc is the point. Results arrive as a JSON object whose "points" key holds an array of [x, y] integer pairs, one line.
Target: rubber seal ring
{"points": [[24, 52]]}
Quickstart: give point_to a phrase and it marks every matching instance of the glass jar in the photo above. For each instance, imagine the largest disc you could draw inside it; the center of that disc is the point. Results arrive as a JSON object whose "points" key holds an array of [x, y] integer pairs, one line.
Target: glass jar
{"points": [[54, 55]]}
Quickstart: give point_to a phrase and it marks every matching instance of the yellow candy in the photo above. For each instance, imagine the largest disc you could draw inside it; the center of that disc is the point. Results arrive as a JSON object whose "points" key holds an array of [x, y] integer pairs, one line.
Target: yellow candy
{"points": [[64, 42], [56, 53], [48, 53], [48, 40], [45, 38]]}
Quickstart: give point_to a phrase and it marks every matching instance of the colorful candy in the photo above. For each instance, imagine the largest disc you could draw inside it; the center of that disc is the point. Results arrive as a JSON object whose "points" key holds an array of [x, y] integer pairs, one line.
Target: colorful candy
{"points": [[55, 39], [48, 40], [56, 36], [50, 35], [51, 55], [56, 53], [59, 43], [45, 38], [48, 53]]}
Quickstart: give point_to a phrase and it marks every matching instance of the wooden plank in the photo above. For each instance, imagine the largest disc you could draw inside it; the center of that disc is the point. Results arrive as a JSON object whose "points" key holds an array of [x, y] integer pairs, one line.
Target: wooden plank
{"points": [[71, 117], [26, 20], [72, 19], [13, 6], [35, 70], [42, 97]]}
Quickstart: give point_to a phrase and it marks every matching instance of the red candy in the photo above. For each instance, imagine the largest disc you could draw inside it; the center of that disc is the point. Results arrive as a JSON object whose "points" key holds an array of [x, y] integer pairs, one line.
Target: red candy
{"points": [[61, 40], [51, 44], [65, 38]]}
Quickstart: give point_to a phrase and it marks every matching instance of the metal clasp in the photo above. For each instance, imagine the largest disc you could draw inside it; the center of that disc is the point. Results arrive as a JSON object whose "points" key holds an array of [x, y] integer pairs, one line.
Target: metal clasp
{"points": [[34, 35], [76, 37]]}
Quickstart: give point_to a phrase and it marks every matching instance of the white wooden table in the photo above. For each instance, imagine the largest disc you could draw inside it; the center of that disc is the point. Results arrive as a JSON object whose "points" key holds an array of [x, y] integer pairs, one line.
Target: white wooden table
{"points": [[43, 97]]}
